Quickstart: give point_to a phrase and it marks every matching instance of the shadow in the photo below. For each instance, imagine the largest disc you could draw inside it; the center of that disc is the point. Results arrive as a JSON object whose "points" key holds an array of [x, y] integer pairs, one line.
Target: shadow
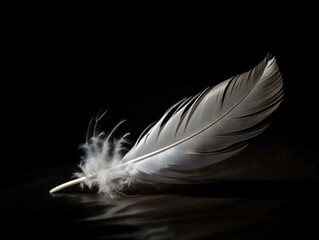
{"points": [[249, 189], [190, 216]]}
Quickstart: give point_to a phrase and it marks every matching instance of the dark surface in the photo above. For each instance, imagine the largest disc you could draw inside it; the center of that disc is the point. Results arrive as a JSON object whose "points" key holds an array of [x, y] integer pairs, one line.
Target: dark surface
{"points": [[61, 72], [265, 193]]}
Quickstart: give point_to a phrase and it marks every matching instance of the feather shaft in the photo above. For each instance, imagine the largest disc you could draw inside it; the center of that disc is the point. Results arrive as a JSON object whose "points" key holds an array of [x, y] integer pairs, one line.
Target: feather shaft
{"points": [[70, 183]]}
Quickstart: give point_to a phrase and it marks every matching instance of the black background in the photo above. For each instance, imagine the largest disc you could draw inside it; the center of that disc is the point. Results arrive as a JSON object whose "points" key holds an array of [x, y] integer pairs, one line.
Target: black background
{"points": [[61, 69]]}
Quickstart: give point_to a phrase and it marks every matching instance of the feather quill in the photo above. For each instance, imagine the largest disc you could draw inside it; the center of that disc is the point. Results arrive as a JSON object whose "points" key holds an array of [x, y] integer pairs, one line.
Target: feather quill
{"points": [[190, 138]]}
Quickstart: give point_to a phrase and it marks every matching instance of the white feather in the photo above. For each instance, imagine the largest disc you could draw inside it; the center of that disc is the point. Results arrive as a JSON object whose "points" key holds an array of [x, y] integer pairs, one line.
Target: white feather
{"points": [[192, 136]]}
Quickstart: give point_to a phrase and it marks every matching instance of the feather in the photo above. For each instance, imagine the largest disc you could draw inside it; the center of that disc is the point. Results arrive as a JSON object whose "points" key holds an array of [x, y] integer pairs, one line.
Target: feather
{"points": [[190, 138]]}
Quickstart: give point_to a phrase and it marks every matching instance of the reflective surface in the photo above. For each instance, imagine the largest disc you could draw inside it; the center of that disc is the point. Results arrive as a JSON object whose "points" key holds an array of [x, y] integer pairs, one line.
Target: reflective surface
{"points": [[274, 197]]}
